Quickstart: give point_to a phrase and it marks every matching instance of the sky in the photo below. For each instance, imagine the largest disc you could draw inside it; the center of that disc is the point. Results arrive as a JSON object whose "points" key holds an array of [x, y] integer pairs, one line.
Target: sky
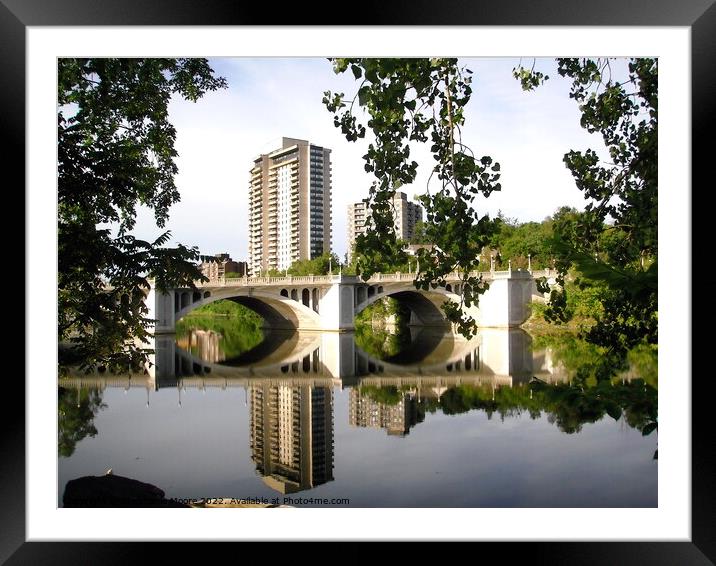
{"points": [[218, 137]]}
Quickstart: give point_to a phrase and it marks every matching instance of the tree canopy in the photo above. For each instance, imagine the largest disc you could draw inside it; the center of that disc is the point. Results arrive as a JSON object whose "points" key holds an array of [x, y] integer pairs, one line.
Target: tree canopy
{"points": [[420, 100], [613, 244], [320, 265], [115, 152]]}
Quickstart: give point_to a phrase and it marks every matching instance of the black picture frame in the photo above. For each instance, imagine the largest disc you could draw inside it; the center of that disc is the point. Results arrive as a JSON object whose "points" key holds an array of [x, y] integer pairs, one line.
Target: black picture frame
{"points": [[698, 15]]}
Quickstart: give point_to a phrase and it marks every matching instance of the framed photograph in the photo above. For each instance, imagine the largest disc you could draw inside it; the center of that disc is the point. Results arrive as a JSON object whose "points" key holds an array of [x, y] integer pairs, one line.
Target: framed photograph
{"points": [[375, 434]]}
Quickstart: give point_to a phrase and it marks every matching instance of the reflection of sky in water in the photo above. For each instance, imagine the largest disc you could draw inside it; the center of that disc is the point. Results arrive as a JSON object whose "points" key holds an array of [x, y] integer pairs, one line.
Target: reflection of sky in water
{"points": [[202, 450], [196, 443]]}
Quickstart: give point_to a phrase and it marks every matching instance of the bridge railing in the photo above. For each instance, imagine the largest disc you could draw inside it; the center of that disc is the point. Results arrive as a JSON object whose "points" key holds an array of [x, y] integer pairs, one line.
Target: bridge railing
{"points": [[262, 281], [544, 273], [291, 280]]}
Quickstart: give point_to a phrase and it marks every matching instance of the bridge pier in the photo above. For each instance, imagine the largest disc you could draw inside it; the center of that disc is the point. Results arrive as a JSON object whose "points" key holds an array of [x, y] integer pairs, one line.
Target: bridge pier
{"points": [[161, 308], [506, 303], [336, 310]]}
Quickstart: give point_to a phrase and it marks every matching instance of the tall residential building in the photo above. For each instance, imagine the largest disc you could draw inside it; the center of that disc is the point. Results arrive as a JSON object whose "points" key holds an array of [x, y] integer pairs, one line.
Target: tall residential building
{"points": [[292, 435], [289, 205], [405, 215]]}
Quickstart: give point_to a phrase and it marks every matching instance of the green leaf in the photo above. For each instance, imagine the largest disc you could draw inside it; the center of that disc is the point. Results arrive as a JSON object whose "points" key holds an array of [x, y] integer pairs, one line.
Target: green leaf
{"points": [[648, 429]]}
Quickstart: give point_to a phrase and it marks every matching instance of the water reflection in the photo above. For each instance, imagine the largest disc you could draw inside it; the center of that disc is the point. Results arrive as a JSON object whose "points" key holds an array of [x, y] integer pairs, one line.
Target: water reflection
{"points": [[202, 343], [76, 412], [291, 431], [289, 379], [504, 356], [384, 407]]}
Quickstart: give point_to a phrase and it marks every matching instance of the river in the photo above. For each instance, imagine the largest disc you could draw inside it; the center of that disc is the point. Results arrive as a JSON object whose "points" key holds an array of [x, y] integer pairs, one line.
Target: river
{"points": [[413, 418]]}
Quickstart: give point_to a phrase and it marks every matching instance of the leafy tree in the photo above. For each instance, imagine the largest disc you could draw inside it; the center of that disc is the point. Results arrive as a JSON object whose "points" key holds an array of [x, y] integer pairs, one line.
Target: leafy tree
{"points": [[420, 234], [528, 240], [420, 100], [320, 265], [116, 151], [614, 242]]}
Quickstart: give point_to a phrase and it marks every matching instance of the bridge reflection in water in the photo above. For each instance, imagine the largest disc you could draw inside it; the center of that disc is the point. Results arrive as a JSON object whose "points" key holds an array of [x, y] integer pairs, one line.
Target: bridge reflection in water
{"points": [[289, 379]]}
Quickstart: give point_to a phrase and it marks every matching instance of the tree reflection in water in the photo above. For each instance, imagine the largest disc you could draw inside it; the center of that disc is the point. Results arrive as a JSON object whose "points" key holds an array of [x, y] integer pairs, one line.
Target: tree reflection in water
{"points": [[77, 409], [220, 331], [596, 383]]}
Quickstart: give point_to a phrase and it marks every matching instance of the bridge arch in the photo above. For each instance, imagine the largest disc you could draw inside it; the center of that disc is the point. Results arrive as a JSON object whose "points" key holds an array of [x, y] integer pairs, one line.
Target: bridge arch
{"points": [[277, 310], [424, 305]]}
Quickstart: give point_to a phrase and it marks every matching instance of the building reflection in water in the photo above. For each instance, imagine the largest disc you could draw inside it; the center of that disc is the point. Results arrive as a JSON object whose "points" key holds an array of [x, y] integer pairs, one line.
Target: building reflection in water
{"points": [[205, 344], [395, 417], [291, 431]]}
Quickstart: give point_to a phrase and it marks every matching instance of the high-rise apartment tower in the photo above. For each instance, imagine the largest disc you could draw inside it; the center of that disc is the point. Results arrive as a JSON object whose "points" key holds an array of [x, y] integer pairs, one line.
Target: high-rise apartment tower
{"points": [[289, 205], [405, 215]]}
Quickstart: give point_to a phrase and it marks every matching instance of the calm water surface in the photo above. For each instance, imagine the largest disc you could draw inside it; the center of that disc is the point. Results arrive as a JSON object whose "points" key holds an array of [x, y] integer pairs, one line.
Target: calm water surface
{"points": [[420, 418]]}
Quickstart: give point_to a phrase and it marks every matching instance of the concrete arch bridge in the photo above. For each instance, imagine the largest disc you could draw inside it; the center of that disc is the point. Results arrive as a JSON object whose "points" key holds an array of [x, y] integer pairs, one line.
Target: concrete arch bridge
{"points": [[331, 302]]}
